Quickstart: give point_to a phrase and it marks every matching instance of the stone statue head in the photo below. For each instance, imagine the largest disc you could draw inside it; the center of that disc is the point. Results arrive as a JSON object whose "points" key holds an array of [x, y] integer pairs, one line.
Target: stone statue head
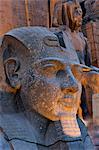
{"points": [[46, 76], [74, 13]]}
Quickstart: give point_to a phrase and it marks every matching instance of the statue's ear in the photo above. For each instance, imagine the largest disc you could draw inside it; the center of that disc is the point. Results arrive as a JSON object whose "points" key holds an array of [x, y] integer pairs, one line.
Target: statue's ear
{"points": [[11, 66]]}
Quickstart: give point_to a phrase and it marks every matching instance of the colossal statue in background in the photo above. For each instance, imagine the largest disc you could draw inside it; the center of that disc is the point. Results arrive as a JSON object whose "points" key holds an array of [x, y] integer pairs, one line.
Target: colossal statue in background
{"points": [[39, 112], [80, 44], [70, 32], [70, 14]]}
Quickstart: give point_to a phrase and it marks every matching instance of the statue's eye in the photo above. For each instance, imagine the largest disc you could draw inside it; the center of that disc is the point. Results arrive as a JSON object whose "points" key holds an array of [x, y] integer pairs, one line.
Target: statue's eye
{"points": [[49, 70], [60, 73], [76, 8]]}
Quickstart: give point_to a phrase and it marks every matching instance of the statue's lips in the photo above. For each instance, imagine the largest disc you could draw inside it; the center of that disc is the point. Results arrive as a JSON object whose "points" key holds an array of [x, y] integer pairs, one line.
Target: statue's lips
{"points": [[68, 96]]}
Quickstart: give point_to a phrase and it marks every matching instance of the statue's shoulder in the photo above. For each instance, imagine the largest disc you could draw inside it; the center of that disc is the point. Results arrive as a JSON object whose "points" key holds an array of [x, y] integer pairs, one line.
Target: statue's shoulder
{"points": [[16, 133], [4, 143], [23, 145], [16, 126]]}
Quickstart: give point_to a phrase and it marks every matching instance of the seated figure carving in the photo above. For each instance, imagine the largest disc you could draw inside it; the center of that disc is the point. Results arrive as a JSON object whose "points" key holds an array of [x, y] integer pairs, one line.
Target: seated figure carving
{"points": [[40, 110]]}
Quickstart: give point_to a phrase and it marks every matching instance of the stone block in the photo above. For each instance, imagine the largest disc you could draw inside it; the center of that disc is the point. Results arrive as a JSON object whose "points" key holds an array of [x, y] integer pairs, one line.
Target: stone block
{"points": [[38, 12], [18, 13], [12, 15]]}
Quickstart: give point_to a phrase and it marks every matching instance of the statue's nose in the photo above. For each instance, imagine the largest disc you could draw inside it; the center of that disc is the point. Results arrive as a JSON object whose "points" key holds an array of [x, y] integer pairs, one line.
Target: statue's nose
{"points": [[69, 83]]}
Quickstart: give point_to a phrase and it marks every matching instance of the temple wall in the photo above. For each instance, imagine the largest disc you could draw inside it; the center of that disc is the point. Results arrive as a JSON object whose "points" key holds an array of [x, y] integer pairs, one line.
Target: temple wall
{"points": [[12, 15], [18, 13], [91, 28], [92, 33]]}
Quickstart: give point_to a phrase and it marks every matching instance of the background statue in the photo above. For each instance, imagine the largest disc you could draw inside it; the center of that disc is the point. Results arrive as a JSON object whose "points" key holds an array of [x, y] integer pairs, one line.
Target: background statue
{"points": [[71, 18], [80, 44], [74, 13], [40, 113], [72, 29]]}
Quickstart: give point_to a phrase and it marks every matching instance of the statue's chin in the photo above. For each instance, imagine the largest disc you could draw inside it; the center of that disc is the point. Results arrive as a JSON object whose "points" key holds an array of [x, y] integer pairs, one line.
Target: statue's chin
{"points": [[48, 115], [52, 117]]}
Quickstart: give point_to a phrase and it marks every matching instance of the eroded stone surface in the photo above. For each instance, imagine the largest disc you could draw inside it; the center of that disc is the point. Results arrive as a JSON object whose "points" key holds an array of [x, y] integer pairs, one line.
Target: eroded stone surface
{"points": [[47, 86]]}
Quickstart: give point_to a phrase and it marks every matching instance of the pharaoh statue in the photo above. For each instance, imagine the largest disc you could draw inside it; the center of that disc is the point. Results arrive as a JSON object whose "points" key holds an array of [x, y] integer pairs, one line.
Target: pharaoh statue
{"points": [[80, 44], [71, 18], [74, 13], [82, 49], [71, 33], [39, 112]]}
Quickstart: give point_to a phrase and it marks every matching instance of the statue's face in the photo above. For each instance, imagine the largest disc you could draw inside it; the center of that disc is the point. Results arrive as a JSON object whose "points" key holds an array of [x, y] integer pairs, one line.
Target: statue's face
{"points": [[76, 15], [49, 77], [51, 85]]}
